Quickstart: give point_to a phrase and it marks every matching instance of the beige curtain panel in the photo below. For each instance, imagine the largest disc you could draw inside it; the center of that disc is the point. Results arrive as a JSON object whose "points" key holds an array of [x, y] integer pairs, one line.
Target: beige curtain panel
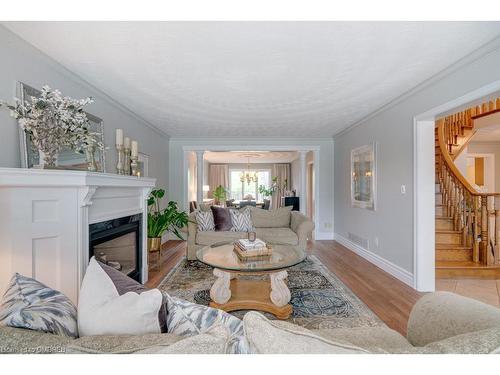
{"points": [[282, 171], [218, 175]]}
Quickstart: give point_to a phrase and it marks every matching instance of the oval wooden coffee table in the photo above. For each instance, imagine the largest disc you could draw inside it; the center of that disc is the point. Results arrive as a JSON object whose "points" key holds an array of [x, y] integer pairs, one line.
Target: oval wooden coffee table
{"points": [[230, 293]]}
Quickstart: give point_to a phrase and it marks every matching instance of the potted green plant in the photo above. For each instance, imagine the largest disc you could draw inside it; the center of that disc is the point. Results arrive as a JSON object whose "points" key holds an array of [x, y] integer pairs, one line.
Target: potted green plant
{"points": [[169, 219], [219, 194], [266, 192]]}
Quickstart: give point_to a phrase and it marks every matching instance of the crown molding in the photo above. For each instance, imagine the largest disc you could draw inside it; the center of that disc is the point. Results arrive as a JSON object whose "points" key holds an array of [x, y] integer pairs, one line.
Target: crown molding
{"points": [[482, 51]]}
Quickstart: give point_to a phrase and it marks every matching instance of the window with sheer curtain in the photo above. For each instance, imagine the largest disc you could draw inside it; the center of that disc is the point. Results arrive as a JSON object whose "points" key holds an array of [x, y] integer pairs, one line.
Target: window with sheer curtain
{"points": [[238, 190]]}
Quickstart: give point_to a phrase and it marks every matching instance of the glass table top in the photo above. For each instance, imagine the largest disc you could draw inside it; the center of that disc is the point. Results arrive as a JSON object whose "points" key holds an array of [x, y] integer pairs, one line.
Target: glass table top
{"points": [[222, 255]]}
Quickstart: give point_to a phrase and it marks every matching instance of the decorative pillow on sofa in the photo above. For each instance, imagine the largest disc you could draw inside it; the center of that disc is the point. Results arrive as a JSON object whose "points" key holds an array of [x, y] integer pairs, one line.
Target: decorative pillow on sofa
{"points": [[241, 220], [265, 336], [103, 311], [125, 284], [279, 218], [205, 221], [188, 319], [30, 304], [222, 219]]}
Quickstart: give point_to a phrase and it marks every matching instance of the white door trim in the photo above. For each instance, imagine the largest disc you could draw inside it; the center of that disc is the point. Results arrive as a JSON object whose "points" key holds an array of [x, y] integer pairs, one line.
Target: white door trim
{"points": [[423, 202]]}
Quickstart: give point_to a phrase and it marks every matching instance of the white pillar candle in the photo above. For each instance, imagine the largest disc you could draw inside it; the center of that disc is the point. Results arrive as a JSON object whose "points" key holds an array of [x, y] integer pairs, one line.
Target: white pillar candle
{"points": [[135, 148], [127, 142], [119, 137]]}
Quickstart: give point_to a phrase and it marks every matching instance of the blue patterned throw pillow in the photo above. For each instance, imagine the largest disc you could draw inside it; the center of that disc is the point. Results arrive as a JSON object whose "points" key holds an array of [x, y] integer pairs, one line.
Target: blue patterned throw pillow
{"points": [[188, 319], [29, 304]]}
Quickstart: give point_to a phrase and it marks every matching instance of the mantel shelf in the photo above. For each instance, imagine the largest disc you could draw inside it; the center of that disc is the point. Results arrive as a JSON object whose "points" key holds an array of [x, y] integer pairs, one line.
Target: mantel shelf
{"points": [[47, 177]]}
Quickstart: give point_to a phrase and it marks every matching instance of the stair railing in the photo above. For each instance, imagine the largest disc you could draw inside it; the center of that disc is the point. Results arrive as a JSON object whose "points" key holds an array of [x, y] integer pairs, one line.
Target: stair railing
{"points": [[476, 215]]}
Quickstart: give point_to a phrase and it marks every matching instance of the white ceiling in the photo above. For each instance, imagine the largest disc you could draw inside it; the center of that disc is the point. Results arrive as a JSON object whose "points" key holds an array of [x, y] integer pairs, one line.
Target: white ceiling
{"points": [[254, 157], [294, 79]]}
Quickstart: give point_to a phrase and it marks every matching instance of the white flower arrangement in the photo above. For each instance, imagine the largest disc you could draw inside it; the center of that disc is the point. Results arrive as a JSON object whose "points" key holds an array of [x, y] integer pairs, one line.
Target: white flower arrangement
{"points": [[54, 122]]}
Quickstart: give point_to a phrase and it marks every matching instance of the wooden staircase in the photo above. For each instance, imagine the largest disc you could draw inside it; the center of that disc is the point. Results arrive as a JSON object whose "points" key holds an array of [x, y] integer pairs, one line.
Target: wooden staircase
{"points": [[467, 222]]}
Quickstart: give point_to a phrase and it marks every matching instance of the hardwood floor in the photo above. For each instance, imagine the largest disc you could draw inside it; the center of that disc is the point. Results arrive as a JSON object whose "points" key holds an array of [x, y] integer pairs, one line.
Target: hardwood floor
{"points": [[385, 295], [171, 252], [388, 297]]}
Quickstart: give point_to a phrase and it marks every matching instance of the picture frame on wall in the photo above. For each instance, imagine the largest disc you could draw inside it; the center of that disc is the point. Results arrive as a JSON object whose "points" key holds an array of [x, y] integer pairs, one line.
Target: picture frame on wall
{"points": [[143, 164], [364, 176]]}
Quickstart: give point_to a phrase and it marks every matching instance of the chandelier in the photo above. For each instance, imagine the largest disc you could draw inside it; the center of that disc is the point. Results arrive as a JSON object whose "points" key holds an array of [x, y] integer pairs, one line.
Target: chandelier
{"points": [[248, 176]]}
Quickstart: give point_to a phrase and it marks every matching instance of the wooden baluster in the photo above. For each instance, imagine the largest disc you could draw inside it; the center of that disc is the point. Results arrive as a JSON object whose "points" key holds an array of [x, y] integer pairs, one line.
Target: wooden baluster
{"points": [[496, 258], [491, 106], [490, 246], [484, 230], [463, 215], [456, 206], [448, 195], [497, 103], [470, 223], [475, 244]]}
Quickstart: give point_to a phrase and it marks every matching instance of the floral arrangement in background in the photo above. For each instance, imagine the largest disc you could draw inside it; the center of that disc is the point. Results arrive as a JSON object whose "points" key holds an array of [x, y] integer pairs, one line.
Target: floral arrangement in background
{"points": [[53, 122]]}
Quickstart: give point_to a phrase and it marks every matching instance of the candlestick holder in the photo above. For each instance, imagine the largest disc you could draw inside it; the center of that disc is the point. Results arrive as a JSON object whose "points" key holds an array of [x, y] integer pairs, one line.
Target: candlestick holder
{"points": [[126, 167], [134, 165], [120, 163]]}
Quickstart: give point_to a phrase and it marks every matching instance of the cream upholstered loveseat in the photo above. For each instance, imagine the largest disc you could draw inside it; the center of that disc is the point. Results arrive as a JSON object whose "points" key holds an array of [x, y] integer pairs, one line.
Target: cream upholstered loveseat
{"points": [[281, 226], [439, 323]]}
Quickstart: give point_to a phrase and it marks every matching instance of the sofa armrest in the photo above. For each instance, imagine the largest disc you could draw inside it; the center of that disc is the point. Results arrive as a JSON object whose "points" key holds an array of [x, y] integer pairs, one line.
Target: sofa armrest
{"points": [[301, 225], [440, 315], [192, 228]]}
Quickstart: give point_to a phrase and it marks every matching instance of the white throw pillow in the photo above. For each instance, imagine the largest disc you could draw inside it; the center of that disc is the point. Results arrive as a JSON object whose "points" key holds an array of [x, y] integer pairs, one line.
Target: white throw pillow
{"points": [[102, 311]]}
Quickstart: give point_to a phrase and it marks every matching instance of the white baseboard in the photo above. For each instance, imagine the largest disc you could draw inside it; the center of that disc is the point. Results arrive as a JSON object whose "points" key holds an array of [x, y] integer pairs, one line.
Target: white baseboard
{"points": [[399, 273], [324, 236]]}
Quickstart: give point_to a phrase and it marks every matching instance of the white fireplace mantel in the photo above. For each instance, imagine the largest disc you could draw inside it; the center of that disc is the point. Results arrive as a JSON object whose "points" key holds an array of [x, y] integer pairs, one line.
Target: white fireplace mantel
{"points": [[45, 217]]}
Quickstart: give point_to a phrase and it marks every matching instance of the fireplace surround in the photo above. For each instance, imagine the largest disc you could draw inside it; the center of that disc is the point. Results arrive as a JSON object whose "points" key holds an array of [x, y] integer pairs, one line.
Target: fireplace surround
{"points": [[48, 218]]}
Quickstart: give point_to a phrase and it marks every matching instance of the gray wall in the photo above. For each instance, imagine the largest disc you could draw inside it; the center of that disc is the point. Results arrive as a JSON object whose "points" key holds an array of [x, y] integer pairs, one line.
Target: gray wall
{"points": [[22, 62], [392, 129]]}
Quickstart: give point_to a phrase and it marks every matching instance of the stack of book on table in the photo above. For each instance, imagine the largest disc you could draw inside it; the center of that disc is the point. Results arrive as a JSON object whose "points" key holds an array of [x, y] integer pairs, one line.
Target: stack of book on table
{"points": [[247, 249]]}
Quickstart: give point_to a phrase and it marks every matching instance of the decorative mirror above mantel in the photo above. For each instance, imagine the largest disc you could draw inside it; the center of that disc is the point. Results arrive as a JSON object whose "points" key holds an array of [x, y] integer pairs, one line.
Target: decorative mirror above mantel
{"points": [[67, 158], [363, 176]]}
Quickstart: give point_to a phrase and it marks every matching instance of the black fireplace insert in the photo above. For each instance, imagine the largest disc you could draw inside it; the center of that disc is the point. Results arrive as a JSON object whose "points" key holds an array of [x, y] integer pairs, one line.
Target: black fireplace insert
{"points": [[118, 244]]}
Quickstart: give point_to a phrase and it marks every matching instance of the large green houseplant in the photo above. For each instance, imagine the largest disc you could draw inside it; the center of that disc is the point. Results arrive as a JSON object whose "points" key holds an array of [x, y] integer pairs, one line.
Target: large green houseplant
{"points": [[169, 219]]}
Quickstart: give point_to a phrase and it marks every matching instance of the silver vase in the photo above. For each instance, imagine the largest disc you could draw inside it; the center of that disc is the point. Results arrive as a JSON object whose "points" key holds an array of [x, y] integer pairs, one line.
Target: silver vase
{"points": [[90, 156]]}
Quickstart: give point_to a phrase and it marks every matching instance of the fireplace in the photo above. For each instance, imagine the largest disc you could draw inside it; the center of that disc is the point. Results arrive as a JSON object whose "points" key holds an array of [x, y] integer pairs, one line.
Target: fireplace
{"points": [[118, 244]]}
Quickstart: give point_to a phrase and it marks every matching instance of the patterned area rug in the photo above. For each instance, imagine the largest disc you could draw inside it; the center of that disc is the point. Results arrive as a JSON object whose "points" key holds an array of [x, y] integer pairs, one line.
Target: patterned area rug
{"points": [[319, 298]]}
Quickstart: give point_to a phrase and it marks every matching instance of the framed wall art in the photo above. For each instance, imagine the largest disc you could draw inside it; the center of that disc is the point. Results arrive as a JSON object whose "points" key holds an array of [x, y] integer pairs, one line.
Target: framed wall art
{"points": [[364, 176]]}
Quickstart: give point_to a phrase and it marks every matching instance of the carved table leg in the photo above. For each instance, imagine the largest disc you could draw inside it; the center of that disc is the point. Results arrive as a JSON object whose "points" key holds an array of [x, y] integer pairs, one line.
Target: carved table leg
{"points": [[280, 294], [220, 291]]}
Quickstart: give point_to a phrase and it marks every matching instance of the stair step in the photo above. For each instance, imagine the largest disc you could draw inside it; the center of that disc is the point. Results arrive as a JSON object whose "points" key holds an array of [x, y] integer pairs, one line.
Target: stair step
{"points": [[440, 210], [439, 198], [452, 237], [465, 269], [454, 254], [444, 223]]}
